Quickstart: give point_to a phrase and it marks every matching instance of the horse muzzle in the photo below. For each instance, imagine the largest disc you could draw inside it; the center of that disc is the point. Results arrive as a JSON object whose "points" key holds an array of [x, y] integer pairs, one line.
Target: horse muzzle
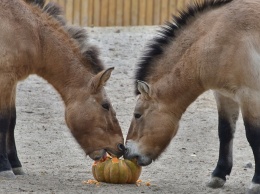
{"points": [[116, 152], [97, 155], [131, 152]]}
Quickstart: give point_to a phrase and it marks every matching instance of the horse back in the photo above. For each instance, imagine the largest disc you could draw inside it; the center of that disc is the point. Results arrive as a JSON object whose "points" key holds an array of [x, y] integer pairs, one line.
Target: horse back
{"points": [[229, 51], [19, 39]]}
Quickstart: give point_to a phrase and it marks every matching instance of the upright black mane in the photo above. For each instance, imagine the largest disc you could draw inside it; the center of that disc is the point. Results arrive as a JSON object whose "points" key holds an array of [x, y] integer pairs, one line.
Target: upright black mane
{"points": [[167, 33], [89, 52]]}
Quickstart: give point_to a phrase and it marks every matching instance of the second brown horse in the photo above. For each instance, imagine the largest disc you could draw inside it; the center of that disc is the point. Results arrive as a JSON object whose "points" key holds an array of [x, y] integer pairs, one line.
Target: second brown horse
{"points": [[211, 45]]}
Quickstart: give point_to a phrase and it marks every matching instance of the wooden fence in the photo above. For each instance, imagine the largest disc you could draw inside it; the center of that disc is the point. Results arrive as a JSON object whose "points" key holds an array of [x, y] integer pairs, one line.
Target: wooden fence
{"points": [[119, 12]]}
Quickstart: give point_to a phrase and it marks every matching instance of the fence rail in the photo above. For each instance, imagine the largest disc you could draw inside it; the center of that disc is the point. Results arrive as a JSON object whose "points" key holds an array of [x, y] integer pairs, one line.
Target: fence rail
{"points": [[119, 12]]}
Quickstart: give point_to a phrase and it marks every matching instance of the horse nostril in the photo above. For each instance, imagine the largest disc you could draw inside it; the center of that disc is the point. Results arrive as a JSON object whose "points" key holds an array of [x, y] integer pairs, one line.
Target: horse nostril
{"points": [[121, 147]]}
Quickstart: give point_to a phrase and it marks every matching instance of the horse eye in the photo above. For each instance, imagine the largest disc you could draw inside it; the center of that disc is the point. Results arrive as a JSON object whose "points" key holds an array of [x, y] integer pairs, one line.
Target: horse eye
{"points": [[106, 106], [137, 116]]}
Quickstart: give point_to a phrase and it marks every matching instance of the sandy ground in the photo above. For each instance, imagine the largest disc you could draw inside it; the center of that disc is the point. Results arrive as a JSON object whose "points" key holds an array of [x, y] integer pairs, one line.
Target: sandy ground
{"points": [[54, 163]]}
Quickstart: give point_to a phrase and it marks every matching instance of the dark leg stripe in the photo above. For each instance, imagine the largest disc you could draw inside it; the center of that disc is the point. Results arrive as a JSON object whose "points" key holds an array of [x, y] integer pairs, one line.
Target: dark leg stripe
{"points": [[224, 164], [4, 125], [253, 137], [11, 147]]}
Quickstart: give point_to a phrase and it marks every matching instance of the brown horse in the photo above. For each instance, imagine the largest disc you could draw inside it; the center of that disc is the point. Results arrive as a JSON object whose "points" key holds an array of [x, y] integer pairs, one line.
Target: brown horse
{"points": [[212, 45], [33, 42]]}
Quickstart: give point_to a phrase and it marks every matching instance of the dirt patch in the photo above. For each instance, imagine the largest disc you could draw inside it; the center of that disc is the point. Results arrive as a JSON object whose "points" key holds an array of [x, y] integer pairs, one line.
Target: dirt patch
{"points": [[54, 163]]}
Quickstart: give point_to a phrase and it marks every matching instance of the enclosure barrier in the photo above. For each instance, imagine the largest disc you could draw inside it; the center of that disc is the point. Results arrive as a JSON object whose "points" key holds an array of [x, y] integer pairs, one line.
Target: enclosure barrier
{"points": [[119, 12]]}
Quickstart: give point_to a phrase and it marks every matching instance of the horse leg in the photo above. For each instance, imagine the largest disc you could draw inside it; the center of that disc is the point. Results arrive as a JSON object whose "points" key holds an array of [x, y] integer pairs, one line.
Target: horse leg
{"points": [[228, 111], [5, 166], [5, 117], [10, 141], [251, 116]]}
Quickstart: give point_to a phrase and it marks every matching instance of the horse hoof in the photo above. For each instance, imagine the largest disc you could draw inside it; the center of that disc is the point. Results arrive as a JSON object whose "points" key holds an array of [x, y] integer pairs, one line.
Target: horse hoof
{"points": [[216, 182], [253, 189], [7, 175], [18, 171]]}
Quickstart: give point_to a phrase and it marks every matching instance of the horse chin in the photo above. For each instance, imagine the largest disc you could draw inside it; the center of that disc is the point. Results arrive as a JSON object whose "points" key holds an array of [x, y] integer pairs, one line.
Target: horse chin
{"points": [[144, 160], [114, 153], [98, 154]]}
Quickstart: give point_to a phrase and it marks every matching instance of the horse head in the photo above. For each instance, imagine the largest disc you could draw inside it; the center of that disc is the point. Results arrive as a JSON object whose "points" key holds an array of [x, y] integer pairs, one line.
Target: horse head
{"points": [[92, 119], [151, 129]]}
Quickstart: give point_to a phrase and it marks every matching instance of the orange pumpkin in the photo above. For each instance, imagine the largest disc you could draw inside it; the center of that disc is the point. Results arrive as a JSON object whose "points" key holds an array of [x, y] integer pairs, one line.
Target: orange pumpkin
{"points": [[114, 170]]}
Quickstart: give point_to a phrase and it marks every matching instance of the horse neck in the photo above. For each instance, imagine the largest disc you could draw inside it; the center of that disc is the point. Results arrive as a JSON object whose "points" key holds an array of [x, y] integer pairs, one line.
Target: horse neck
{"points": [[177, 93], [61, 64], [176, 77]]}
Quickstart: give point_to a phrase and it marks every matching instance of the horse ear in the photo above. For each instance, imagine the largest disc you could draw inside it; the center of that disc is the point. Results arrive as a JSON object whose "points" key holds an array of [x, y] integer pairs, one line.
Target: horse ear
{"points": [[99, 80], [143, 88]]}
